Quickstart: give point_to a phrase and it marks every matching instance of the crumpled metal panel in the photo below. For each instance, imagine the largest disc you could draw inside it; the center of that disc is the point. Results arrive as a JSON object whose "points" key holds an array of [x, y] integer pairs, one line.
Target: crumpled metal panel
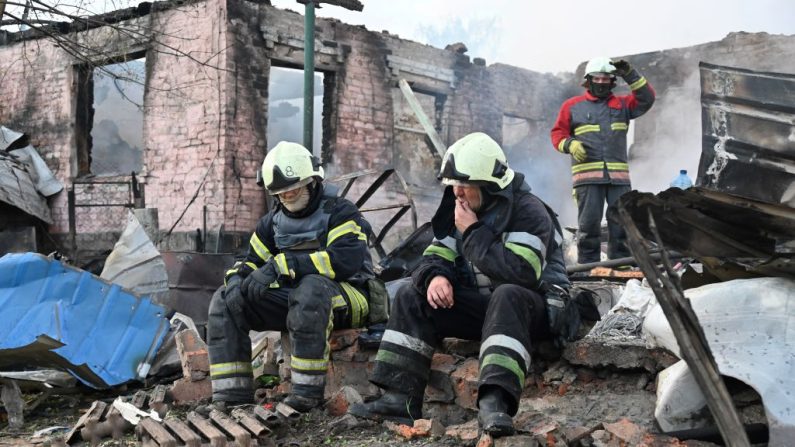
{"points": [[748, 127], [18, 189], [52, 314], [192, 280], [719, 228]]}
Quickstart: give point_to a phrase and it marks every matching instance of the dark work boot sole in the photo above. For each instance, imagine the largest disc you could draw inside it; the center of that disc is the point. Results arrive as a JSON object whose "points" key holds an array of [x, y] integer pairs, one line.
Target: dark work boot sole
{"points": [[496, 424], [302, 404], [365, 411]]}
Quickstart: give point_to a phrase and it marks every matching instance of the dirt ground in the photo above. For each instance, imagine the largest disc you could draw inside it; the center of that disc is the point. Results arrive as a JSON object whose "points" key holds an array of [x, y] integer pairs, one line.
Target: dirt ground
{"points": [[568, 396]]}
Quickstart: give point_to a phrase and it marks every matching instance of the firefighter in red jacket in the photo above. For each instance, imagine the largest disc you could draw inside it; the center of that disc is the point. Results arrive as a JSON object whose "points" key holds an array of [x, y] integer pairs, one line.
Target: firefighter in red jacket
{"points": [[592, 128]]}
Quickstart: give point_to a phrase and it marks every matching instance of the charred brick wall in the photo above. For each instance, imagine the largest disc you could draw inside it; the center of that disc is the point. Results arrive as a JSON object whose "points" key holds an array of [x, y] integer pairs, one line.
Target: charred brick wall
{"points": [[186, 120], [206, 102]]}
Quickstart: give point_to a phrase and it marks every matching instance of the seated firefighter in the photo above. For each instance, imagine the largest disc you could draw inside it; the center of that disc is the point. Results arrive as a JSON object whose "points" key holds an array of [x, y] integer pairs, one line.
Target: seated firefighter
{"points": [[487, 275], [308, 270]]}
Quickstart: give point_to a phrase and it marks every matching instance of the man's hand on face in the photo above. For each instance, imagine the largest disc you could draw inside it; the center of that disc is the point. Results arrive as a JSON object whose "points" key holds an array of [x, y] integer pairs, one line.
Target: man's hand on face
{"points": [[464, 216], [440, 293]]}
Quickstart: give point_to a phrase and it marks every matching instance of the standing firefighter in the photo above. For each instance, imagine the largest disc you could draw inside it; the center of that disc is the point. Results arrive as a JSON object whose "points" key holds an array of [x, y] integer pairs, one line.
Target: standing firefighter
{"points": [[307, 271], [592, 128], [480, 279]]}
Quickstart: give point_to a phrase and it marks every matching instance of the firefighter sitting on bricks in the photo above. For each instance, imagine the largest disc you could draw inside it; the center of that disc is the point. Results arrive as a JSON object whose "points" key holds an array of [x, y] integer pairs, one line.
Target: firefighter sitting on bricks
{"points": [[308, 270], [480, 279]]}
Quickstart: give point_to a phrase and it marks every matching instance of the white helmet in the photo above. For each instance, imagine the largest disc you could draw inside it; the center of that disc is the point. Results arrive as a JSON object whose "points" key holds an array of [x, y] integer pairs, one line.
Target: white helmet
{"points": [[476, 159], [288, 166], [599, 65]]}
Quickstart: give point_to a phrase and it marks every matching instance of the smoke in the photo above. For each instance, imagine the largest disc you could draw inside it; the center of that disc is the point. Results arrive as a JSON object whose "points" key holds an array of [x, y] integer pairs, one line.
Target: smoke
{"points": [[529, 151], [667, 137], [477, 33]]}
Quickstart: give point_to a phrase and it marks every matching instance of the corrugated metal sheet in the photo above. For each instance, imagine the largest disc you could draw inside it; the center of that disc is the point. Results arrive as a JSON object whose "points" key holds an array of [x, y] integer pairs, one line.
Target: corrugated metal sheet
{"points": [[748, 127], [52, 314], [18, 189]]}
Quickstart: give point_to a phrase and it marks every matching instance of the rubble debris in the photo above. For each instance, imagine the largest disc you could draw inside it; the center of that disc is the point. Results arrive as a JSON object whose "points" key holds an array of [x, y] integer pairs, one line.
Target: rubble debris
{"points": [[46, 183], [46, 378], [616, 340], [193, 355], [465, 432], [678, 311], [167, 362], [58, 315], [18, 144], [46, 431], [340, 401], [731, 236], [745, 323], [13, 403], [192, 280], [136, 264], [17, 189], [131, 413]]}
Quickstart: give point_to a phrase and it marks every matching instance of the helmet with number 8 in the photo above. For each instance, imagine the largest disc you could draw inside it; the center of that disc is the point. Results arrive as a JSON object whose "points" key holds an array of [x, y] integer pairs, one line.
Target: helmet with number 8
{"points": [[289, 166], [476, 159]]}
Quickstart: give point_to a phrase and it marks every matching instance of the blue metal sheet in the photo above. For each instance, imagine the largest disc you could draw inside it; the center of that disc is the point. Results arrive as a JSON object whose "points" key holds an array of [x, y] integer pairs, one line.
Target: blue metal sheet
{"points": [[55, 314]]}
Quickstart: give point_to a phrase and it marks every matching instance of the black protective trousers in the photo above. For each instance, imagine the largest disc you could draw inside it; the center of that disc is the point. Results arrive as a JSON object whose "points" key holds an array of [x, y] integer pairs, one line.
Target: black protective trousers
{"points": [[308, 312], [505, 322], [590, 208]]}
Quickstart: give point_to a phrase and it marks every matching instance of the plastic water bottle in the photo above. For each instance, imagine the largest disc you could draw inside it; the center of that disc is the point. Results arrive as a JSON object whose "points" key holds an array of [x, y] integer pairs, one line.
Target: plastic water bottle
{"points": [[682, 181]]}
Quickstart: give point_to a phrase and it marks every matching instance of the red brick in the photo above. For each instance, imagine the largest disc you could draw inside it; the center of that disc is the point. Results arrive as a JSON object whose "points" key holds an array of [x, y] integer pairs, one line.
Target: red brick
{"points": [[340, 401], [185, 391], [464, 432], [465, 384], [193, 355]]}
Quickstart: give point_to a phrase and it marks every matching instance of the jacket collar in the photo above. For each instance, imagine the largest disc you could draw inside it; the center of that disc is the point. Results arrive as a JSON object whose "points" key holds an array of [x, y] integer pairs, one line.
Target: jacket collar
{"points": [[496, 214]]}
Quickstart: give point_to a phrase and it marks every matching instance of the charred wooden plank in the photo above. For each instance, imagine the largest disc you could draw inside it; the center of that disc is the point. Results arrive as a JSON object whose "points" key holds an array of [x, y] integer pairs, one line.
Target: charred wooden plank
{"points": [[251, 423], [270, 418], [207, 429], [241, 436], [151, 432], [183, 432]]}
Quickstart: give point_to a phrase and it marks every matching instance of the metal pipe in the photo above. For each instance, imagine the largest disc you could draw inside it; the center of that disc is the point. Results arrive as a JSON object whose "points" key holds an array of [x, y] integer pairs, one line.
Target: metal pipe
{"points": [[309, 73], [655, 255]]}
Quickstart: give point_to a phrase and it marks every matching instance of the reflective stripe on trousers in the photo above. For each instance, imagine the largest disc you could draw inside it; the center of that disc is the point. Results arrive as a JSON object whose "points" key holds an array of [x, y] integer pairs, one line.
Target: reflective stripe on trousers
{"points": [[508, 320]]}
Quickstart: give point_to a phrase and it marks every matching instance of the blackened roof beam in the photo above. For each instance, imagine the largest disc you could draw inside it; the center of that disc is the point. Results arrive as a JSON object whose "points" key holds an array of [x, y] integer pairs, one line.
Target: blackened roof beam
{"points": [[353, 5]]}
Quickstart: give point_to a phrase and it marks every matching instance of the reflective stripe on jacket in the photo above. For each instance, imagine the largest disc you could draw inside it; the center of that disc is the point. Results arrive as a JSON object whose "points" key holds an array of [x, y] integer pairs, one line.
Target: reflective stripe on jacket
{"points": [[601, 125]]}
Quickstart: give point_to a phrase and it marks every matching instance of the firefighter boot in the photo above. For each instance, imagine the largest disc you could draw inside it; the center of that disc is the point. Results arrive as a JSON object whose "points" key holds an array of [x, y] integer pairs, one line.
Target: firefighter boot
{"points": [[392, 406], [219, 405], [493, 412], [305, 397]]}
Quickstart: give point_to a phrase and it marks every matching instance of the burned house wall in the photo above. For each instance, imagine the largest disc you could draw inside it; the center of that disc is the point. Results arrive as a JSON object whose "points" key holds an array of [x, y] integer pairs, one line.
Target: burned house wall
{"points": [[187, 119], [205, 115], [205, 92], [529, 102], [668, 137], [37, 90], [206, 110]]}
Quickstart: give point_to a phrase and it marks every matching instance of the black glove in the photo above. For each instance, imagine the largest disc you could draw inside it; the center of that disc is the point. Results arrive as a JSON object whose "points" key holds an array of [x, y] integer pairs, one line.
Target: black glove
{"points": [[257, 283], [622, 68], [233, 281], [563, 314], [235, 303]]}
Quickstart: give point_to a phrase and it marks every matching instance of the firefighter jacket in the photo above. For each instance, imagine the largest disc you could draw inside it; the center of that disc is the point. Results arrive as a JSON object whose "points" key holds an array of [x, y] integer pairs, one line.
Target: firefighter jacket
{"points": [[513, 242], [601, 125], [328, 238]]}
